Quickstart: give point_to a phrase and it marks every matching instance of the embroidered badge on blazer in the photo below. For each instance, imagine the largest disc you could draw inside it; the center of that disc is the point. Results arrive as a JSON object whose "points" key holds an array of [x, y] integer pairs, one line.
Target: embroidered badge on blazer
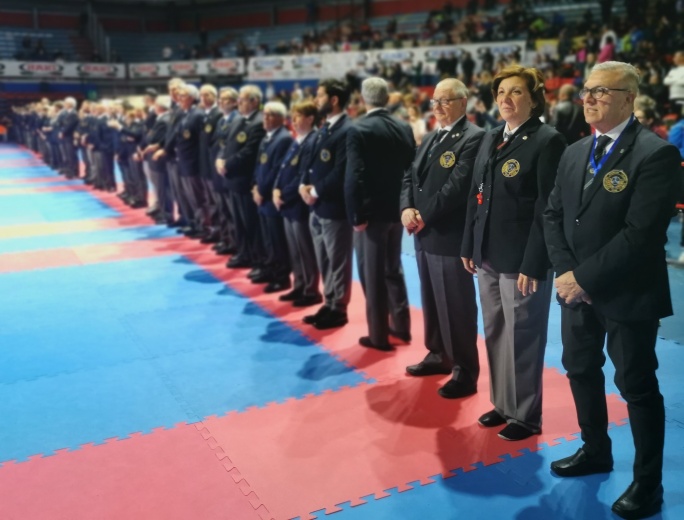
{"points": [[325, 155], [186, 134], [208, 129], [510, 168], [447, 159], [615, 181], [294, 160], [241, 137], [263, 158]]}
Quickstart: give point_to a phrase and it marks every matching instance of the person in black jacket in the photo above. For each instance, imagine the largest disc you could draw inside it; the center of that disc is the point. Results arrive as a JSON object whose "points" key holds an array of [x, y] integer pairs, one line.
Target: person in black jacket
{"points": [[275, 270], [322, 188], [294, 210], [68, 124], [379, 150], [211, 116], [236, 163], [504, 240], [605, 226], [567, 116], [154, 139], [433, 204]]}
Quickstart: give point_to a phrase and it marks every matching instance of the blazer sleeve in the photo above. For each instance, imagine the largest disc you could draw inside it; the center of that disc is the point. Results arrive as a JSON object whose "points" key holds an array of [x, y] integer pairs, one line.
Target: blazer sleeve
{"points": [[536, 258], [355, 189], [332, 184], [647, 218], [455, 189], [468, 240]]}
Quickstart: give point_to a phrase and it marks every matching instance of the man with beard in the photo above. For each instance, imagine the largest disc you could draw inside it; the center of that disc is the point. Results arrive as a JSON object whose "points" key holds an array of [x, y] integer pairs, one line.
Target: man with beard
{"points": [[322, 188]]}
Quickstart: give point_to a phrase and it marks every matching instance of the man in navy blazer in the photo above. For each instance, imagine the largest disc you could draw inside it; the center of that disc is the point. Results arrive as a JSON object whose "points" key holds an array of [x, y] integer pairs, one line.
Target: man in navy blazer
{"points": [[275, 270], [236, 164], [322, 188], [605, 227], [380, 149], [433, 203]]}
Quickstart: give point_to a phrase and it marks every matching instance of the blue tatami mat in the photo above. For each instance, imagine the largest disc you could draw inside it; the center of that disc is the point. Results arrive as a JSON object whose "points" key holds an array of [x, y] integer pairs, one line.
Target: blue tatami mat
{"points": [[60, 206], [146, 343], [104, 236]]}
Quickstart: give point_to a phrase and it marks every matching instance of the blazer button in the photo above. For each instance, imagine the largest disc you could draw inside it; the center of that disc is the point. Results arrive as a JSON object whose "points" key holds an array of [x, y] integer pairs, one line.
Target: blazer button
{"points": [[577, 222]]}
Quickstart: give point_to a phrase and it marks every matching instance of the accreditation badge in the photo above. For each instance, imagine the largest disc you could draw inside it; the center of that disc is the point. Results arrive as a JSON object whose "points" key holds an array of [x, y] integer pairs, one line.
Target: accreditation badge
{"points": [[241, 137], [208, 129], [615, 181], [325, 155], [295, 160], [510, 168], [263, 158], [186, 134], [447, 160]]}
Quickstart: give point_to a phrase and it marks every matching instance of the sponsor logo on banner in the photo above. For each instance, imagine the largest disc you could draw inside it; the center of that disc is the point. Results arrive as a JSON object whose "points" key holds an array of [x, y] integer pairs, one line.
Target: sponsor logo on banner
{"points": [[40, 69], [183, 68], [224, 66], [395, 56], [144, 70], [307, 62], [98, 70], [267, 63]]}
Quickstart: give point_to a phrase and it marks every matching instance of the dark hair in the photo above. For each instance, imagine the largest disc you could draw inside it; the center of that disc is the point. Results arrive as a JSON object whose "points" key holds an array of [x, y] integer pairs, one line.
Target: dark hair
{"points": [[534, 80], [336, 87]]}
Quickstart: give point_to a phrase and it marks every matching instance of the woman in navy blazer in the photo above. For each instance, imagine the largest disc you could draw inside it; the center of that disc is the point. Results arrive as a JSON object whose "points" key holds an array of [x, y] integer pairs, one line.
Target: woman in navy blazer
{"points": [[504, 243]]}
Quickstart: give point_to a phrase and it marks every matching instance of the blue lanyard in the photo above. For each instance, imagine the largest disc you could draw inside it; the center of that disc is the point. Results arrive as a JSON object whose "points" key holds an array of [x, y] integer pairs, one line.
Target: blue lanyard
{"points": [[596, 167]]}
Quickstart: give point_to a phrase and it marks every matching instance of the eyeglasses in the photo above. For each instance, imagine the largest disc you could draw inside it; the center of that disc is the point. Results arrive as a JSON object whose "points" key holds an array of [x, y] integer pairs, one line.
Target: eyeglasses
{"points": [[444, 102], [598, 92]]}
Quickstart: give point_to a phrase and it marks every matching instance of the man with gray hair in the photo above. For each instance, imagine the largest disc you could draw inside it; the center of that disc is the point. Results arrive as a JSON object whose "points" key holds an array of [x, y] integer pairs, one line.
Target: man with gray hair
{"points": [[605, 227], [379, 149], [68, 121]]}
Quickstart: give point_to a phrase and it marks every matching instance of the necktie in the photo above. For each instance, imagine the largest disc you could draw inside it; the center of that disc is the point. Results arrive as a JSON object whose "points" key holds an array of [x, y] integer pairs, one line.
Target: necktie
{"points": [[601, 143], [323, 133], [438, 139]]}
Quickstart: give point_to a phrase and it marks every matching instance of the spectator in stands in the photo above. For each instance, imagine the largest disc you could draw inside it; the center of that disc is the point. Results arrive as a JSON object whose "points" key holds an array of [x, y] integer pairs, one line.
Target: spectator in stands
{"points": [[648, 118], [607, 52], [418, 125], [675, 81], [567, 116], [167, 53]]}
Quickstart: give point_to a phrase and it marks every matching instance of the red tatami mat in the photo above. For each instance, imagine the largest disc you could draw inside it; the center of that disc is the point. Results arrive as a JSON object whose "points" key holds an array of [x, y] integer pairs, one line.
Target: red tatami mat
{"points": [[168, 474], [324, 450], [90, 254]]}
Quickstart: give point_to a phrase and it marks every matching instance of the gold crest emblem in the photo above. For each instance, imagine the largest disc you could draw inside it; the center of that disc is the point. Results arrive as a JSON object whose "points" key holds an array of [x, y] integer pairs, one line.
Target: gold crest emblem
{"points": [[511, 168], [294, 160], [241, 137], [208, 129], [447, 159], [615, 181], [263, 159], [186, 134], [325, 155]]}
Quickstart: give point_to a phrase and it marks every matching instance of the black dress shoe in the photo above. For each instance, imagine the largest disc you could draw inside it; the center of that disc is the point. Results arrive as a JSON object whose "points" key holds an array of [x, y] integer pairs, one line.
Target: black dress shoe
{"points": [[225, 249], [173, 224], [183, 229], [581, 464], [238, 263], [516, 432], [194, 233], [492, 419], [139, 204], [427, 369], [294, 294], [210, 239], [312, 318], [262, 277], [365, 341], [277, 286], [639, 501], [456, 389], [331, 320], [255, 271], [308, 301], [403, 336]]}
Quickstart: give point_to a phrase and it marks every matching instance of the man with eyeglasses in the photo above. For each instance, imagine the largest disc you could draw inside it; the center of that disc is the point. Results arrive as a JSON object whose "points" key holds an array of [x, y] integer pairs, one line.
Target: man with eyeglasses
{"points": [[605, 227], [433, 204]]}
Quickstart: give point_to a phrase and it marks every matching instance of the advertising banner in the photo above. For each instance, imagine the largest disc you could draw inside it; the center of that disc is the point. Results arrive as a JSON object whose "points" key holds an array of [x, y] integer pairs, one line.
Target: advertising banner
{"points": [[167, 69], [50, 69]]}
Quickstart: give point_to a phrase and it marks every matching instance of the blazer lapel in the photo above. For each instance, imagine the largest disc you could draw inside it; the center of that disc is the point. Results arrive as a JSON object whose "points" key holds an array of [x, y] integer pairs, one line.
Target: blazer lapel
{"points": [[449, 141], [617, 153]]}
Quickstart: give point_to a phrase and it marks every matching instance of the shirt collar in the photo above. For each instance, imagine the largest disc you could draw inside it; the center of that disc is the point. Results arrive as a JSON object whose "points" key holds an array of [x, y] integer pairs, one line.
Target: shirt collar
{"points": [[301, 138], [615, 132], [511, 131], [450, 127], [331, 120]]}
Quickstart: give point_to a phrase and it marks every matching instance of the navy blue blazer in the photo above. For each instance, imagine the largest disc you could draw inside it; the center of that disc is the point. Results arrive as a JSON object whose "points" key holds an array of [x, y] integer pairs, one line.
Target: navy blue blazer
{"points": [[271, 155], [327, 168], [188, 132], [289, 178], [240, 152]]}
